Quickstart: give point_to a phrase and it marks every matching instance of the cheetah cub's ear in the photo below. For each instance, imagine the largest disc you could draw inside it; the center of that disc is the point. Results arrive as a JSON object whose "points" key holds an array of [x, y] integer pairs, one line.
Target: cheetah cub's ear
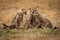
{"points": [[34, 8]]}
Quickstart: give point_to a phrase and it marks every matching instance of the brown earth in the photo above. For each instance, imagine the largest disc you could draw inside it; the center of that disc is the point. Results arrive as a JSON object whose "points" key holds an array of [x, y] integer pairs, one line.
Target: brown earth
{"points": [[30, 37]]}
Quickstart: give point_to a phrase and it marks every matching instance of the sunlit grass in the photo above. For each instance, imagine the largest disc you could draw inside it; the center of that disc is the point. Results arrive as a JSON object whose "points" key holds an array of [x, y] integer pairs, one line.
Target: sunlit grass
{"points": [[45, 31]]}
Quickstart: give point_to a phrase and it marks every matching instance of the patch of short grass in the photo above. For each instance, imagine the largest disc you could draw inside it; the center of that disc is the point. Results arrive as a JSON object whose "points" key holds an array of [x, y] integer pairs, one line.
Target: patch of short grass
{"points": [[50, 31], [29, 31]]}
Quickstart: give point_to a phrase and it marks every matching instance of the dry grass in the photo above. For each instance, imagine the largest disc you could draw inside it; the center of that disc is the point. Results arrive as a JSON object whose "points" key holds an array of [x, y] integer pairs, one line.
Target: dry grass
{"points": [[30, 34], [49, 8]]}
